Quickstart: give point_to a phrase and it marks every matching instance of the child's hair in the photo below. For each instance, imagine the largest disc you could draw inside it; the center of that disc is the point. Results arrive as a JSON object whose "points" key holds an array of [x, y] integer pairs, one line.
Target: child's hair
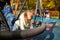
{"points": [[25, 14], [46, 12]]}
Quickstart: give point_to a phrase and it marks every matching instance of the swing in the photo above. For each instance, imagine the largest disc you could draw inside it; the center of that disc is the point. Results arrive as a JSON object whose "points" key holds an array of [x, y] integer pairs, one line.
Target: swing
{"points": [[21, 34]]}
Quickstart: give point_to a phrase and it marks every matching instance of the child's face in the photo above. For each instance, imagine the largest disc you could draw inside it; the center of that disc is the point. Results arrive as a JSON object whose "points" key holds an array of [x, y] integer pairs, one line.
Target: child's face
{"points": [[28, 17], [48, 15]]}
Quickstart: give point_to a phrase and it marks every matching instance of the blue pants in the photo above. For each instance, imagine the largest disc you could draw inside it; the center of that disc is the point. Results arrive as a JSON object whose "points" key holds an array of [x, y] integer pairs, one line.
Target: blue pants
{"points": [[10, 17]]}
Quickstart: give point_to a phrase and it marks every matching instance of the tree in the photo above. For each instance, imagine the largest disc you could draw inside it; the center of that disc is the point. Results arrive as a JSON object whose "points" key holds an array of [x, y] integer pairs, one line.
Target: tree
{"points": [[58, 6], [48, 4], [31, 4], [52, 4]]}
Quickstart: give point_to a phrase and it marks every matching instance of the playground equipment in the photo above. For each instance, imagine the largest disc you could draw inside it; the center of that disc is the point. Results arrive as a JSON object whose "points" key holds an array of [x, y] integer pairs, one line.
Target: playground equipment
{"points": [[21, 34]]}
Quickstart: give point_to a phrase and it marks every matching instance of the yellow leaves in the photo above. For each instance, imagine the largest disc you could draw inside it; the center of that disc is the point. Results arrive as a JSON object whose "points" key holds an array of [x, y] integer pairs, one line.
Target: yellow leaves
{"points": [[44, 3], [51, 5], [31, 4]]}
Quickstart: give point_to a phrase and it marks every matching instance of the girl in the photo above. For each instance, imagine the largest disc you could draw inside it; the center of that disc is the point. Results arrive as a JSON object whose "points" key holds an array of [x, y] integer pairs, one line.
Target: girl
{"points": [[24, 20]]}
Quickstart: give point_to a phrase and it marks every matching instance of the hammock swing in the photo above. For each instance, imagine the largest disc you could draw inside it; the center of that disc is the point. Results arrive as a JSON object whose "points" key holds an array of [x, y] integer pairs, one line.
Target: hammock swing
{"points": [[21, 34]]}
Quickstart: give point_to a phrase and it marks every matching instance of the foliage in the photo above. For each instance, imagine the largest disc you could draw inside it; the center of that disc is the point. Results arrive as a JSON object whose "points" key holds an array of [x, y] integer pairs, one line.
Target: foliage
{"points": [[51, 5], [31, 4], [48, 4]]}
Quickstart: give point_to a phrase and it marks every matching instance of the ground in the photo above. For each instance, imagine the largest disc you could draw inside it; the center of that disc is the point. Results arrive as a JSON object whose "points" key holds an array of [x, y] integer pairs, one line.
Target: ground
{"points": [[56, 33], [56, 30]]}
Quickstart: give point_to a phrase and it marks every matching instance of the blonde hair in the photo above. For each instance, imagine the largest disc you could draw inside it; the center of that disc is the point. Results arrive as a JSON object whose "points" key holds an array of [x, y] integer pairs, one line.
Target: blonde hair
{"points": [[27, 15]]}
